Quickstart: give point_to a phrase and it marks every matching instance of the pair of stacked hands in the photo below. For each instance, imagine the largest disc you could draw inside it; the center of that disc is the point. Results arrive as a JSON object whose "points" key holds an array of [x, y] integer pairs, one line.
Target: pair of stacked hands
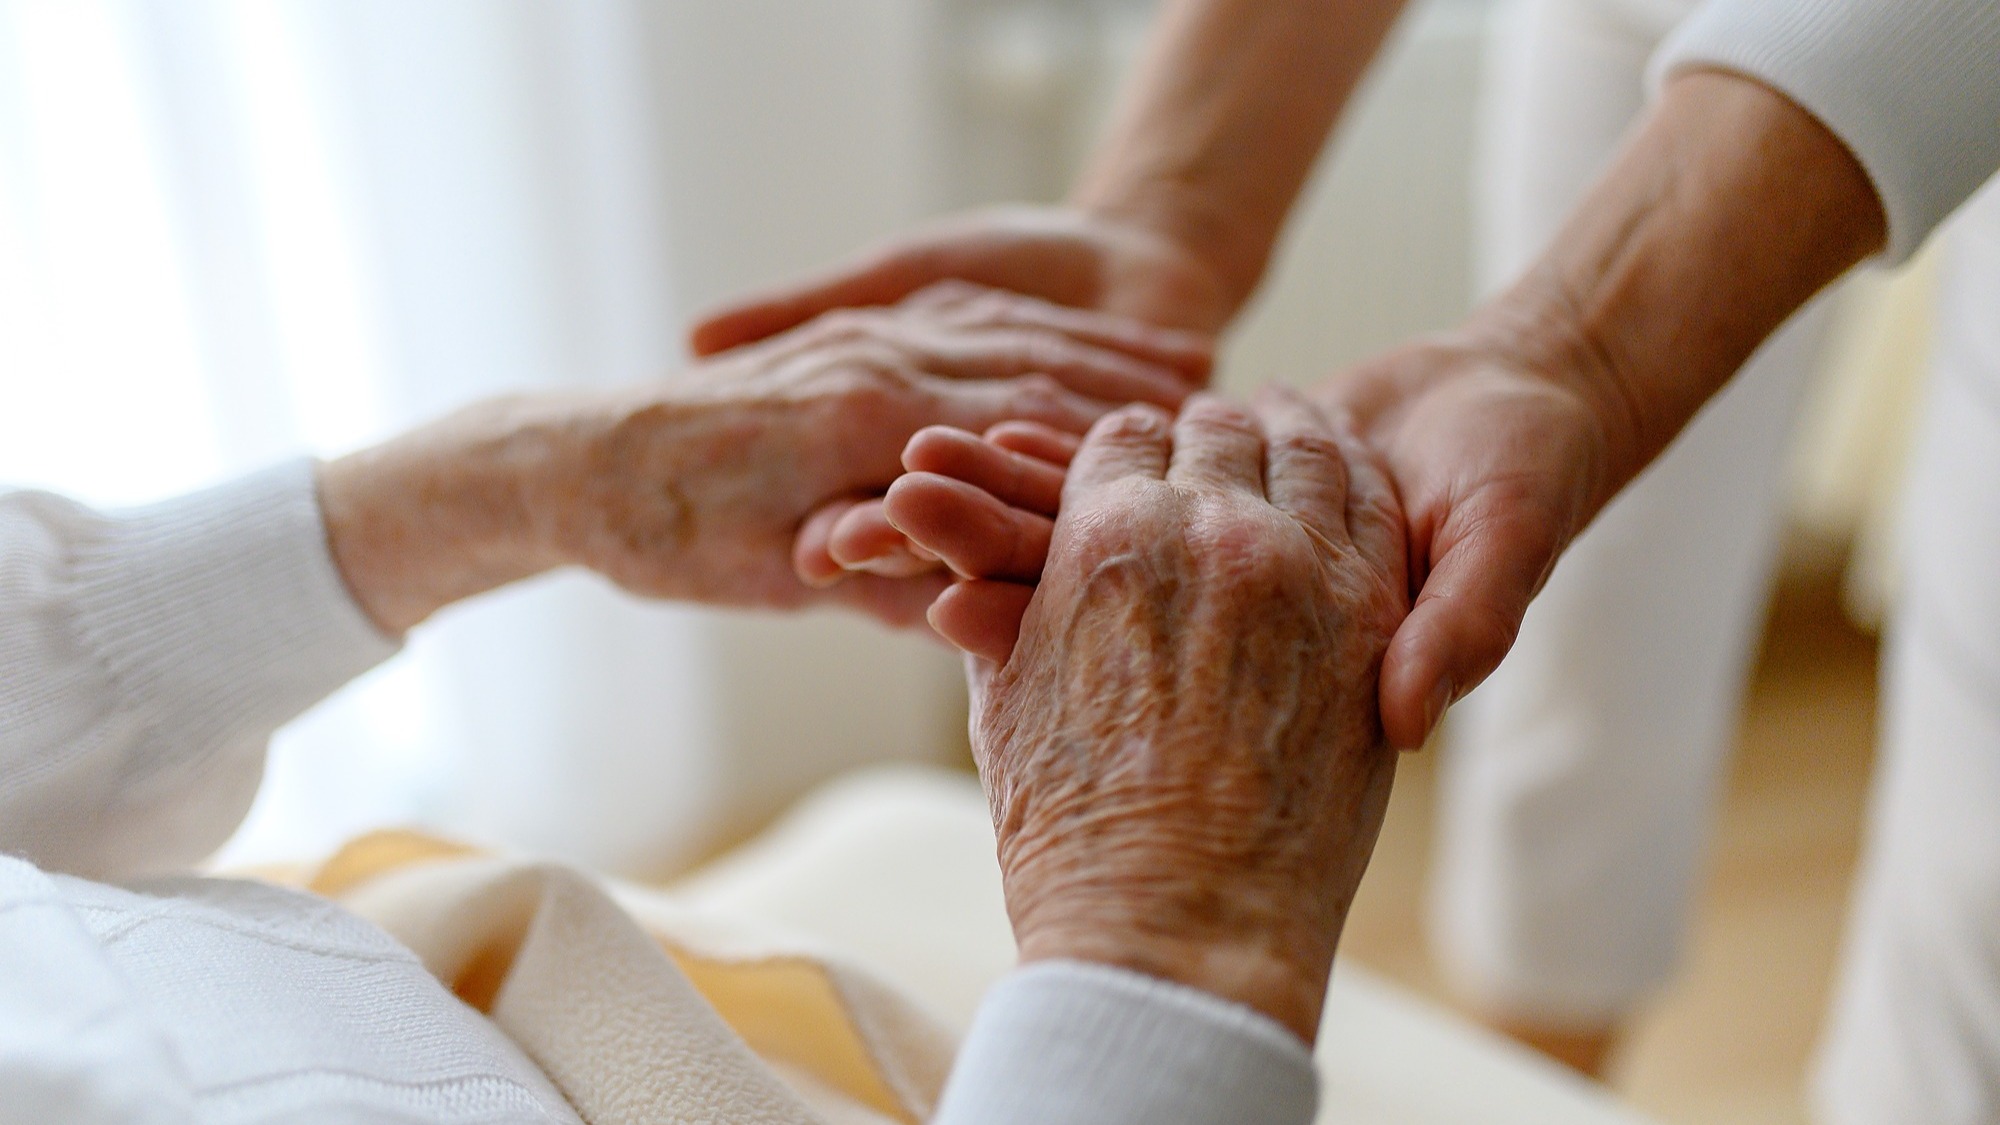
{"points": [[1174, 626]]}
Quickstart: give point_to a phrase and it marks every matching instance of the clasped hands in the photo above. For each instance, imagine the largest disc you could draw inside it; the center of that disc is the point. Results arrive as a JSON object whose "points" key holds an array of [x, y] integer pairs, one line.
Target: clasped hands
{"points": [[1173, 629], [1177, 620]]}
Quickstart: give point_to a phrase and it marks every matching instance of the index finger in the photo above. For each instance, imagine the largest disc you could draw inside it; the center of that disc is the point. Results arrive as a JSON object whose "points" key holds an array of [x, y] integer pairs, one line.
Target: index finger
{"points": [[1134, 441]]}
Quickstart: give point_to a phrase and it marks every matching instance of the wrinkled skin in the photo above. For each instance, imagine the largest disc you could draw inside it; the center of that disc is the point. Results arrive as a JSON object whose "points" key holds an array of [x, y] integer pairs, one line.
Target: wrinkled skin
{"points": [[1500, 464], [1182, 751], [695, 487]]}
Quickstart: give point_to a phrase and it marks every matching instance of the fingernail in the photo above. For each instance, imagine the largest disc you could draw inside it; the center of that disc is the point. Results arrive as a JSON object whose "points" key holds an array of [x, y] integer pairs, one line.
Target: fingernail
{"points": [[1434, 707]]}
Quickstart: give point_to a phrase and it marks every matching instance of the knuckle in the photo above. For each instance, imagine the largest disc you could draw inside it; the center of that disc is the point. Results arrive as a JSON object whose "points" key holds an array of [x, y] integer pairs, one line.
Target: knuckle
{"points": [[1306, 448], [1133, 424], [1040, 352], [1040, 392], [846, 325], [868, 380], [1222, 415]]}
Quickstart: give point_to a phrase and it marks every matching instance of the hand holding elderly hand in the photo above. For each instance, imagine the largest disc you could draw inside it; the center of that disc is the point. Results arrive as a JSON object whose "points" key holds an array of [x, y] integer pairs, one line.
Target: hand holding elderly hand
{"points": [[1181, 751], [1069, 255], [695, 487]]}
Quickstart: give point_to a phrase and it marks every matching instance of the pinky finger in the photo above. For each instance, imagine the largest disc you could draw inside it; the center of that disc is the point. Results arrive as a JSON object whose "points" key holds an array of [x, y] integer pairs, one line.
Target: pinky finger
{"points": [[982, 617], [812, 557]]}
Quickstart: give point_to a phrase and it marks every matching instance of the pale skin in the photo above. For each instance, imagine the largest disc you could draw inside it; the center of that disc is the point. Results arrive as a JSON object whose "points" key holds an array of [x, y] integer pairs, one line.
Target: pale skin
{"points": [[1180, 746], [694, 487], [1728, 209], [1182, 750]]}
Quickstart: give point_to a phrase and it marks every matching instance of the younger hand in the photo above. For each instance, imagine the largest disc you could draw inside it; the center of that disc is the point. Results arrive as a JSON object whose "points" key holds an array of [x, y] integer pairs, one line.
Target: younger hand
{"points": [[1065, 255]]}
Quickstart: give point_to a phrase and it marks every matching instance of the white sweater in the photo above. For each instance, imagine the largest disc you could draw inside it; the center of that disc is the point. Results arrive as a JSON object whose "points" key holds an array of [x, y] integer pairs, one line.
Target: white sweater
{"points": [[145, 659], [1911, 86]]}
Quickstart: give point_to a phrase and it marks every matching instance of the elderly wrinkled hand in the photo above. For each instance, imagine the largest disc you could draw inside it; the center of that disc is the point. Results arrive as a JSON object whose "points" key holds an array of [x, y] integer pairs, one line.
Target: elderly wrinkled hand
{"points": [[1182, 751], [696, 487]]}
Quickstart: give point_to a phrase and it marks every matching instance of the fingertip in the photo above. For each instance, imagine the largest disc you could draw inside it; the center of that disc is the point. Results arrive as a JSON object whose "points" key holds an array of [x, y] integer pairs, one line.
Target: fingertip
{"points": [[1413, 697], [744, 321], [911, 499], [981, 618], [715, 333], [932, 445], [1442, 651], [812, 560]]}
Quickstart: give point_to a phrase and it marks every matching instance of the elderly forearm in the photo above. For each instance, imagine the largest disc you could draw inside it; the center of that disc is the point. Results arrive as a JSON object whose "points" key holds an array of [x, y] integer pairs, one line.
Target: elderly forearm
{"points": [[1729, 209], [1220, 129], [441, 513]]}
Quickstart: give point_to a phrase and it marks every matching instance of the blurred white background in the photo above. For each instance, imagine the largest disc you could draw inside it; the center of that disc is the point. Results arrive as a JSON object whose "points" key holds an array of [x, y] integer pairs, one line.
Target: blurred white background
{"points": [[238, 230]]}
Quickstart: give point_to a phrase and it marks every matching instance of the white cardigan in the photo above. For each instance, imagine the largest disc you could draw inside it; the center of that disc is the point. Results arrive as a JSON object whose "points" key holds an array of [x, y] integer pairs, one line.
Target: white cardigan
{"points": [[145, 659], [1911, 86]]}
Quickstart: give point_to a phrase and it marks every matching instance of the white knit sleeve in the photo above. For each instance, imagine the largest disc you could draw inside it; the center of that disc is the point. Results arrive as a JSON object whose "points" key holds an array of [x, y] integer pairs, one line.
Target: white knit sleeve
{"points": [[145, 658], [1068, 1043], [1911, 86]]}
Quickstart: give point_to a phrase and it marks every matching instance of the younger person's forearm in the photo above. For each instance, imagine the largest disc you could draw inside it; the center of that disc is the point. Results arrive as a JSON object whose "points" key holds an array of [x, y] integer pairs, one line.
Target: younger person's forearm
{"points": [[1729, 209], [1225, 118]]}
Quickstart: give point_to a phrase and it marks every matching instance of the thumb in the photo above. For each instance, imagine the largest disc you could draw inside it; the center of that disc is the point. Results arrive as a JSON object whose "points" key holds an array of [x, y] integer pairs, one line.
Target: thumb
{"points": [[1465, 618]]}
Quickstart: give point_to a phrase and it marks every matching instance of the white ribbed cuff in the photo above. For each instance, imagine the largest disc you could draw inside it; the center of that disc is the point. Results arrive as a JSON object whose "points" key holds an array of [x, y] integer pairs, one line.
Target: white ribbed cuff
{"points": [[1070, 1043], [1910, 86], [220, 614]]}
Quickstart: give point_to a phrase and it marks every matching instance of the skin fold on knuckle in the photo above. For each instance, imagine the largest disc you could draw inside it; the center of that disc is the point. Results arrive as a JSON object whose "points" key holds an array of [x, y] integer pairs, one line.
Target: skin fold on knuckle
{"points": [[1132, 426]]}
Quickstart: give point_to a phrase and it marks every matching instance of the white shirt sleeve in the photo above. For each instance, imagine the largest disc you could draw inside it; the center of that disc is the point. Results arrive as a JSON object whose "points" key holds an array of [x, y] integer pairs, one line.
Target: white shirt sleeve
{"points": [[1912, 87], [147, 655], [1069, 1043]]}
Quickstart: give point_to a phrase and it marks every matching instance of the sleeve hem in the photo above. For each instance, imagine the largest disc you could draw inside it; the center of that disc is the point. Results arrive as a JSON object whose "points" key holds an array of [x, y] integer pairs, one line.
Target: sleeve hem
{"points": [[1907, 87], [220, 614], [1063, 1042]]}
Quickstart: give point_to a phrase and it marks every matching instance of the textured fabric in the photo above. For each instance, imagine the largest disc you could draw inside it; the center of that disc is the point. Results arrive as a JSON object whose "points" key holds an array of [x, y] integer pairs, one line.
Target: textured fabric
{"points": [[641, 1010], [1065, 1043], [1580, 780], [894, 867], [1911, 86], [145, 659]]}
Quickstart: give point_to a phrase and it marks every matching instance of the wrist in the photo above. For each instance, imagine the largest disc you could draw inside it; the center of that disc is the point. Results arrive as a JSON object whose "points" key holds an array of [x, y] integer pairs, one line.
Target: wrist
{"points": [[1197, 228], [437, 515], [1262, 935], [1251, 971], [1728, 210], [1537, 331]]}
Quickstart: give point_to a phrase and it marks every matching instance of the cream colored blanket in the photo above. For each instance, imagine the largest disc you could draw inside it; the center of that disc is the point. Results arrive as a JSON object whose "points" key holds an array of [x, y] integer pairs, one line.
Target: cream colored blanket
{"points": [[641, 1010], [755, 991]]}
